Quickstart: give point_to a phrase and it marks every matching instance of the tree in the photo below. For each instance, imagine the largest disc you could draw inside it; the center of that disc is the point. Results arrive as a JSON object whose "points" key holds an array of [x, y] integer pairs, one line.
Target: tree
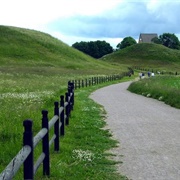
{"points": [[93, 49], [156, 40], [103, 48], [127, 41], [96, 49], [170, 40], [81, 46]]}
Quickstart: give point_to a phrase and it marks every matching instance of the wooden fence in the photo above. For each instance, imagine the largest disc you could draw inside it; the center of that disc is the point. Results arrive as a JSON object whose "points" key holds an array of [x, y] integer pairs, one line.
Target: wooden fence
{"points": [[25, 156], [98, 80], [155, 71], [62, 112]]}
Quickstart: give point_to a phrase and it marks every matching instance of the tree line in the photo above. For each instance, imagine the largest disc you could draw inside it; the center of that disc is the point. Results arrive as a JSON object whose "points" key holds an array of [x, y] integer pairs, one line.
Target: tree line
{"points": [[98, 49], [167, 39]]}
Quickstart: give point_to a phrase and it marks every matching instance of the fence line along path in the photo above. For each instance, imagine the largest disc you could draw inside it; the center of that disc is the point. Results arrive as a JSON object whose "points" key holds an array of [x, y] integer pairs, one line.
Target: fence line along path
{"points": [[62, 112], [148, 131], [25, 156]]}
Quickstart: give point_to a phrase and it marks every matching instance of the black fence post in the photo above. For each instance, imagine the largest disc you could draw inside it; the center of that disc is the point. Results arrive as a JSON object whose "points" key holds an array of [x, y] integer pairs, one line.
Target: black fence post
{"points": [[79, 83], [69, 100], [62, 131], [72, 98], [67, 108], [45, 141], [89, 82], [56, 127], [28, 140], [100, 80], [94, 80]]}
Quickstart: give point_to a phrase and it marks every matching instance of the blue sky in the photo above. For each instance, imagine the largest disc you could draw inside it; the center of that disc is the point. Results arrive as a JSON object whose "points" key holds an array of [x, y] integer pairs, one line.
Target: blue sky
{"points": [[90, 20]]}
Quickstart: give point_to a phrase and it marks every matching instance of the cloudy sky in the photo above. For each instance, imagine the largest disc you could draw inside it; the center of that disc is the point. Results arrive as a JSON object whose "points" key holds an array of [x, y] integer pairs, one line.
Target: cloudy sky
{"points": [[90, 20]]}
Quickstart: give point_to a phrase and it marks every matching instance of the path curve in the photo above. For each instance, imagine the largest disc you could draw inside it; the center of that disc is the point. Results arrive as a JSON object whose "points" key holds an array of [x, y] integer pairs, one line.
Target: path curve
{"points": [[148, 131]]}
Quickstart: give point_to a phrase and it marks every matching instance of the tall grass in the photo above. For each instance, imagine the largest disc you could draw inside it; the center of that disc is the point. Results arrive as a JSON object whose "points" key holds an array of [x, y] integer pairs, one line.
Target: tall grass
{"points": [[163, 88]]}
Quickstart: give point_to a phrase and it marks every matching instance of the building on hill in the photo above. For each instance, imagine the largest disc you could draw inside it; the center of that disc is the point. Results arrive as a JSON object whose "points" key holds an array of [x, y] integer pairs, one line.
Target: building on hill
{"points": [[146, 38]]}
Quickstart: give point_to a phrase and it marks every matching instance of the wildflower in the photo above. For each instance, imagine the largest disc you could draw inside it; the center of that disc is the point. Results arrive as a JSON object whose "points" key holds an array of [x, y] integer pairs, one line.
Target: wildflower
{"points": [[82, 155]]}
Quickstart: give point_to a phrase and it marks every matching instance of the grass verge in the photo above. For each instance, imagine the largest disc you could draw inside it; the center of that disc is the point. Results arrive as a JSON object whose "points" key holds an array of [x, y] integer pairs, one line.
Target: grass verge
{"points": [[163, 88], [84, 149]]}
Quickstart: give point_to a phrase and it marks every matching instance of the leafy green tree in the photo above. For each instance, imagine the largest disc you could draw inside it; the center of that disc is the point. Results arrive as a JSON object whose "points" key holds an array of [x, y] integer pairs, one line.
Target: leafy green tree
{"points": [[96, 49], [127, 41], [156, 40], [81, 46], [103, 48], [170, 40], [93, 49]]}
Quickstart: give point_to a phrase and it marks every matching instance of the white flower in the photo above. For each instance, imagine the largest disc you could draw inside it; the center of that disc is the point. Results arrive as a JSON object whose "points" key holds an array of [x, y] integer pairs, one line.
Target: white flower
{"points": [[82, 155]]}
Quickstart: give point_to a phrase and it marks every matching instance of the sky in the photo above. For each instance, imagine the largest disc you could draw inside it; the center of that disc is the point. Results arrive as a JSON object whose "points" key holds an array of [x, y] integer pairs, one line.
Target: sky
{"points": [[90, 20]]}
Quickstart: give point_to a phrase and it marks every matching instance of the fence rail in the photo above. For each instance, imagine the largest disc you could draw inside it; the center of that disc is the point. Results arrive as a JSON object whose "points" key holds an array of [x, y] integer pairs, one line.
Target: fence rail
{"points": [[62, 112], [156, 71]]}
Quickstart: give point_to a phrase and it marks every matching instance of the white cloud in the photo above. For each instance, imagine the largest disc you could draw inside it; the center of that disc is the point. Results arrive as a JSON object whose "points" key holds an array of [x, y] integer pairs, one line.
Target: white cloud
{"points": [[37, 13], [84, 20]]}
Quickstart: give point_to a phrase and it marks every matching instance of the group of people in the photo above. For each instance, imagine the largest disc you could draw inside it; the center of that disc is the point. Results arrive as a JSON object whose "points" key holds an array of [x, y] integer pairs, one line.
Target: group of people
{"points": [[142, 74]]}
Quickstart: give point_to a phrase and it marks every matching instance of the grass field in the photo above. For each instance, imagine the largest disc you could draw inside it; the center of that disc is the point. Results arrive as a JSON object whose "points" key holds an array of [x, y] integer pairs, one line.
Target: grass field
{"points": [[163, 88]]}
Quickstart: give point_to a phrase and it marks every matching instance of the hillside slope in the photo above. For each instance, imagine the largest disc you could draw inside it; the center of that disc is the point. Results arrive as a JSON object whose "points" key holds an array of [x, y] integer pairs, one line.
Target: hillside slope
{"points": [[145, 54], [23, 47]]}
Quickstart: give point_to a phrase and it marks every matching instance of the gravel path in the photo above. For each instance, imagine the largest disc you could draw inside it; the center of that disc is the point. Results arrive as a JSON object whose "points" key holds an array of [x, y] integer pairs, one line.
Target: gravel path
{"points": [[148, 131]]}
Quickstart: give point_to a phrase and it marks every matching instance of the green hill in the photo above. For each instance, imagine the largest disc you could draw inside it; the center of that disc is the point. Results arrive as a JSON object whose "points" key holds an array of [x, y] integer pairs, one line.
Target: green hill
{"points": [[29, 48], [146, 54]]}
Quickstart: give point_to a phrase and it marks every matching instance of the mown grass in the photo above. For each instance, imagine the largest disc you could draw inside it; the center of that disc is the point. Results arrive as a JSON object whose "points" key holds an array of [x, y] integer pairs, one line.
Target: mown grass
{"points": [[163, 88]]}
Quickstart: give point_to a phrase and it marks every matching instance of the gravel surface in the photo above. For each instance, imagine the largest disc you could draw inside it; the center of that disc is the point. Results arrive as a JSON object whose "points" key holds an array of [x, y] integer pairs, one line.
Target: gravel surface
{"points": [[148, 132]]}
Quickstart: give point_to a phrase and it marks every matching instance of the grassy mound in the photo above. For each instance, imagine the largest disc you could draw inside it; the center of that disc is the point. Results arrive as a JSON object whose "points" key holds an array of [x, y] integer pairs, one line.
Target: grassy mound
{"points": [[146, 54], [29, 48]]}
